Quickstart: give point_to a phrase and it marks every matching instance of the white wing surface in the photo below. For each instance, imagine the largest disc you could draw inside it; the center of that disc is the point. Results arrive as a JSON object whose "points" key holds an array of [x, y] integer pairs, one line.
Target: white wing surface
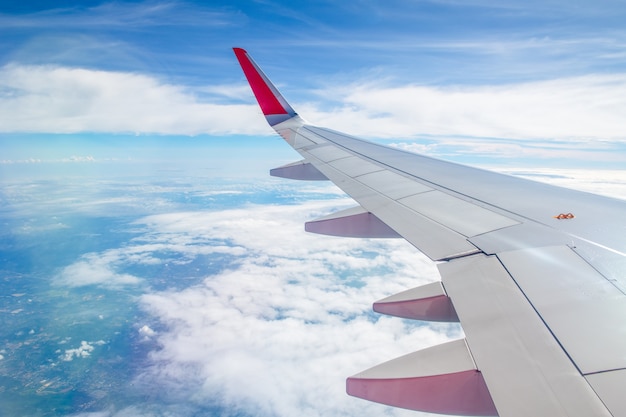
{"points": [[534, 273]]}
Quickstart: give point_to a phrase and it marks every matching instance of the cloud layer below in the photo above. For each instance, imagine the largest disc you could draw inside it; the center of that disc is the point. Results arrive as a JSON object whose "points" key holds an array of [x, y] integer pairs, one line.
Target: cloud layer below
{"points": [[280, 328], [278, 333]]}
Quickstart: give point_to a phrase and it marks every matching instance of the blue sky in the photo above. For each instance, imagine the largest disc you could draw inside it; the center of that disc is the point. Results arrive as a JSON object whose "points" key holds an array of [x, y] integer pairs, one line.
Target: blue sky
{"points": [[535, 82]]}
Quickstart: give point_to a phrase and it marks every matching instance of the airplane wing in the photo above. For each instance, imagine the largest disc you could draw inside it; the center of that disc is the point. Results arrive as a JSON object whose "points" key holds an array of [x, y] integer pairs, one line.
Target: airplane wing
{"points": [[534, 273]]}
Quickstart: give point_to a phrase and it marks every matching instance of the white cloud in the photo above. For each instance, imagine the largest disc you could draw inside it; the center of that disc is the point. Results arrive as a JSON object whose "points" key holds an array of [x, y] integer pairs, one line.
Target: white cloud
{"points": [[62, 99], [83, 351], [611, 183], [146, 332], [278, 332], [96, 269], [101, 268], [524, 150], [75, 158], [21, 161], [586, 107], [66, 100], [280, 329]]}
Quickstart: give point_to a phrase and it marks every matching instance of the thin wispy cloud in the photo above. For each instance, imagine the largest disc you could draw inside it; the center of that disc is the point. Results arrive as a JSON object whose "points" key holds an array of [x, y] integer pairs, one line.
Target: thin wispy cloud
{"points": [[515, 151], [119, 15]]}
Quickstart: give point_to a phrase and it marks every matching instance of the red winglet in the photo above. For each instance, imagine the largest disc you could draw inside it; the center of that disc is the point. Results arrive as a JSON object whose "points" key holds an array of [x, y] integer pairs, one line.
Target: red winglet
{"points": [[270, 100]]}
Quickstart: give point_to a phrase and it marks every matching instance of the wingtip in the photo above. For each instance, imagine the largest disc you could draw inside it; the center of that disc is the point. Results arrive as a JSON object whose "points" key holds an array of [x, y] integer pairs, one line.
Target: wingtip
{"points": [[274, 106]]}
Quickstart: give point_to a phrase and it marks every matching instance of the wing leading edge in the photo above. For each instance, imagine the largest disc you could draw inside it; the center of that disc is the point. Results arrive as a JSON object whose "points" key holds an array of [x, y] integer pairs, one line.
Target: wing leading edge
{"points": [[539, 293]]}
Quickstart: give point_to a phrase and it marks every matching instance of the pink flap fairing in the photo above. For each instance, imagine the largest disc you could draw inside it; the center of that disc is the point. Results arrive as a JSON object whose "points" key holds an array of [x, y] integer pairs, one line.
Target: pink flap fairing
{"points": [[460, 393]]}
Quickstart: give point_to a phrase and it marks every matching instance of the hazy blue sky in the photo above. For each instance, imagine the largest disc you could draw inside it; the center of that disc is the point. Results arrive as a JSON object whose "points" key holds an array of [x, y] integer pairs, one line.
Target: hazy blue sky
{"points": [[534, 82]]}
